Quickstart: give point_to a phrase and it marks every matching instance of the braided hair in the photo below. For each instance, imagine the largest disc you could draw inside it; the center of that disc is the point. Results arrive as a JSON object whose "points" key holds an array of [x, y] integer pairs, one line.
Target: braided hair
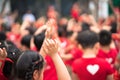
{"points": [[27, 63]]}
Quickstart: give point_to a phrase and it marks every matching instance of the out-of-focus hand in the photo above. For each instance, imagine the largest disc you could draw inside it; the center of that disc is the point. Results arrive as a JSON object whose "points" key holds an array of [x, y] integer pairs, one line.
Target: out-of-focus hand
{"points": [[3, 53], [50, 47], [51, 28]]}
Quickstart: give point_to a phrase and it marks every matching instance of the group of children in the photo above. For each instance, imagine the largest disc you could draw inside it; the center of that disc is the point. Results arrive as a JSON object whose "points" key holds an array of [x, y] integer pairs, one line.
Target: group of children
{"points": [[95, 58], [75, 49]]}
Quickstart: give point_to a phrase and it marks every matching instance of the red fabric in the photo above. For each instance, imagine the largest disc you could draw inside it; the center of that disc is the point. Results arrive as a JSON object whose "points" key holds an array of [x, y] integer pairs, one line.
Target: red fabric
{"points": [[75, 14], [15, 38], [64, 42], [116, 75], [116, 36], [2, 77], [76, 53], [33, 48], [110, 56], [50, 71], [91, 68]]}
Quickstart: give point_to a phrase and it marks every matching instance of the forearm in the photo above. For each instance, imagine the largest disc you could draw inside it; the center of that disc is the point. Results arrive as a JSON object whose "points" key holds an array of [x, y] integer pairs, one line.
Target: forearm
{"points": [[60, 68], [66, 56], [110, 77]]}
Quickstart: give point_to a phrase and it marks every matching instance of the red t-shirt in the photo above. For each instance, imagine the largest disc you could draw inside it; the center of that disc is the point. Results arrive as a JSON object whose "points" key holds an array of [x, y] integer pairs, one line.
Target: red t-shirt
{"points": [[76, 53], [110, 56], [64, 42], [50, 71], [91, 68], [15, 38]]}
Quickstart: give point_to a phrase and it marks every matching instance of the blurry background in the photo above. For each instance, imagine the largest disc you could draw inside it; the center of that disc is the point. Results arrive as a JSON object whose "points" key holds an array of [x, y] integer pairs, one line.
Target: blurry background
{"points": [[99, 8]]}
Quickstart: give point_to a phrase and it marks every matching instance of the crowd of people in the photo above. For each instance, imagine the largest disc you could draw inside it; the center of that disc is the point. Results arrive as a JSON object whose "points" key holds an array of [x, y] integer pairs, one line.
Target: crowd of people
{"points": [[52, 47]]}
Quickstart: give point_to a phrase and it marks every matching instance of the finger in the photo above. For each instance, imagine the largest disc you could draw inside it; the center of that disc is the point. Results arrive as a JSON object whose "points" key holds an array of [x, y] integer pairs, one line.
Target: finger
{"points": [[1, 51], [45, 49], [4, 51], [56, 43], [48, 33]]}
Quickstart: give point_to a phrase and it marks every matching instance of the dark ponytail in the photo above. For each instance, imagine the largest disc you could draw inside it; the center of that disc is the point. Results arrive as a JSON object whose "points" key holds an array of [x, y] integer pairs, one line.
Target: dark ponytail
{"points": [[28, 62]]}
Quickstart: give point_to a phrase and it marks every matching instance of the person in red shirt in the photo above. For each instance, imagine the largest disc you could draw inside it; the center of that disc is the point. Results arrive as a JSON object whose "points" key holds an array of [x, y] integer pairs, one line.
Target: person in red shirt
{"points": [[49, 70], [89, 67], [107, 51]]}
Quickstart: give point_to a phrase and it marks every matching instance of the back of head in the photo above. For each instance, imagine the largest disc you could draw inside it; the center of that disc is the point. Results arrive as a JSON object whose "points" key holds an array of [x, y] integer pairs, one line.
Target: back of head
{"points": [[87, 39], [27, 63], [85, 26], [31, 30], [105, 38], [26, 40], [2, 36], [38, 40]]}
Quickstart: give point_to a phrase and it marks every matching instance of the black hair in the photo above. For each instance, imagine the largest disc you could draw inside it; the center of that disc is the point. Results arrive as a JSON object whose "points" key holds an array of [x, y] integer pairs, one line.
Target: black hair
{"points": [[85, 26], [61, 31], [2, 36], [87, 39], [69, 33], [31, 30], [113, 27], [27, 63], [26, 40], [105, 37], [38, 40]]}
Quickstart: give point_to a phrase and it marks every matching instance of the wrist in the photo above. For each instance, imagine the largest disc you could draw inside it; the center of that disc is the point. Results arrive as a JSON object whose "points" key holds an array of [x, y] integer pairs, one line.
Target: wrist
{"points": [[54, 56]]}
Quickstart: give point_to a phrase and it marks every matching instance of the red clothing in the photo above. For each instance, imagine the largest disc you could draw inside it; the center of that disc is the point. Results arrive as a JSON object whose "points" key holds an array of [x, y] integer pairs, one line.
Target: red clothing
{"points": [[64, 42], [2, 77], [116, 75], [50, 71], [76, 53], [91, 68], [15, 38], [110, 56]]}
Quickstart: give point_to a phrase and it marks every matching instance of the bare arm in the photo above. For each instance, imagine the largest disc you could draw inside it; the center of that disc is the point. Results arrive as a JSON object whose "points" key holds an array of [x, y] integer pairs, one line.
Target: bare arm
{"points": [[110, 77], [51, 48], [74, 76]]}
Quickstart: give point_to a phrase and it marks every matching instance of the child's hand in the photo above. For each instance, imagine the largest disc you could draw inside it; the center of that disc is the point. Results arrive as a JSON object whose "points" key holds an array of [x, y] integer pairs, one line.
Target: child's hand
{"points": [[51, 24], [3, 53], [50, 47]]}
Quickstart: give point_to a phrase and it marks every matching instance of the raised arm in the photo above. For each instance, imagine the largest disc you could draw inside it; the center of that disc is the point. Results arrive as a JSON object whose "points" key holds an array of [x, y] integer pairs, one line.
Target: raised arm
{"points": [[50, 47]]}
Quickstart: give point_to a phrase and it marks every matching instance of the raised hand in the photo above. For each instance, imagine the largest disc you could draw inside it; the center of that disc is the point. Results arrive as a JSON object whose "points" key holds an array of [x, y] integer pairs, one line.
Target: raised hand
{"points": [[50, 47], [51, 25]]}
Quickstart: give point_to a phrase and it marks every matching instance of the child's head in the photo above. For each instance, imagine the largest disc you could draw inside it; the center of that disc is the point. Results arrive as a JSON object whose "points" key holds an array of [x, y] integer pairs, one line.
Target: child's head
{"points": [[26, 42], [38, 40], [29, 66], [87, 39], [105, 38], [2, 36]]}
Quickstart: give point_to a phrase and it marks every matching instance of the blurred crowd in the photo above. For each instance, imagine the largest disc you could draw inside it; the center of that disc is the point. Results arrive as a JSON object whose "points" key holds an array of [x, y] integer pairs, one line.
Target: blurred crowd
{"points": [[18, 37]]}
